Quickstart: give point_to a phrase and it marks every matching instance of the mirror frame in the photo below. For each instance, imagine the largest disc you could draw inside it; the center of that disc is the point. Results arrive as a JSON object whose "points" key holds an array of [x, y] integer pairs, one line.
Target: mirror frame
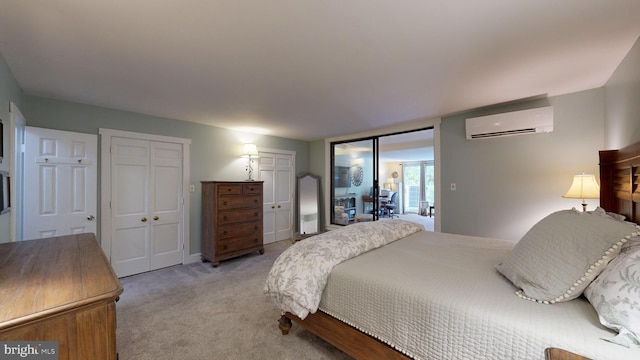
{"points": [[299, 179]]}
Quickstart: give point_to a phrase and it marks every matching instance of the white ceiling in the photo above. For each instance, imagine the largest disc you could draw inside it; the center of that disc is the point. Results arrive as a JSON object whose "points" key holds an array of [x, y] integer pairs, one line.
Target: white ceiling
{"points": [[312, 69]]}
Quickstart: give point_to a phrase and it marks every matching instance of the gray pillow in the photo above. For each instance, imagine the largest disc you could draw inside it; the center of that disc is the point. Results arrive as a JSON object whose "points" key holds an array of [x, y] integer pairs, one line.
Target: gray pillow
{"points": [[561, 254], [615, 294]]}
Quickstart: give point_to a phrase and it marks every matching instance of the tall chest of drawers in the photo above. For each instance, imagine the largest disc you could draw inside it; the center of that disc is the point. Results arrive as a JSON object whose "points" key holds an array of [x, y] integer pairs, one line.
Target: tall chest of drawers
{"points": [[231, 219]]}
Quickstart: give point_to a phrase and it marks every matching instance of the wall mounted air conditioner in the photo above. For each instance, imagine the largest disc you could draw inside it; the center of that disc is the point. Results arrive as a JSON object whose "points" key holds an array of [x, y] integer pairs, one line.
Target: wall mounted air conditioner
{"points": [[532, 121]]}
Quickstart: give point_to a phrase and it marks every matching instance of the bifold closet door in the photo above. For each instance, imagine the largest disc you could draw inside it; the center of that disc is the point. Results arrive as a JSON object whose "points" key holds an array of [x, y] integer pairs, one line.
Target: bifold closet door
{"points": [[146, 205], [275, 170]]}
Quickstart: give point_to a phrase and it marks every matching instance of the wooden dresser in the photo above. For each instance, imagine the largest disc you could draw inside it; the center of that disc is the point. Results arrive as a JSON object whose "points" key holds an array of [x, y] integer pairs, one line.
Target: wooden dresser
{"points": [[60, 289], [231, 219]]}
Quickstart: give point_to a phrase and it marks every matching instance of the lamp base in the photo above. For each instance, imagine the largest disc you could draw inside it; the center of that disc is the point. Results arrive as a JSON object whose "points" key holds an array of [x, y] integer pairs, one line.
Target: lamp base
{"points": [[584, 207]]}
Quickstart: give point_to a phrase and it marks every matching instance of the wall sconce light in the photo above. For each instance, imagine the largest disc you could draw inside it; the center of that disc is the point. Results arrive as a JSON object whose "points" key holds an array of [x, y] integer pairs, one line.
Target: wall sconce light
{"points": [[583, 187], [250, 151]]}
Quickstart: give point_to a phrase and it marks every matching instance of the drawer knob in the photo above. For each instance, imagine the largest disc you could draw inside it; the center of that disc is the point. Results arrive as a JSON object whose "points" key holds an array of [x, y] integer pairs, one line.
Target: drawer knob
{"points": [[224, 247], [224, 232], [144, 219], [225, 217], [224, 203]]}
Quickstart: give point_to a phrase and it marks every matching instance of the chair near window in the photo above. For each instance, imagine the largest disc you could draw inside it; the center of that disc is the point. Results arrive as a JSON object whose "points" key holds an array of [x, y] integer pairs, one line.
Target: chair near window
{"points": [[392, 205]]}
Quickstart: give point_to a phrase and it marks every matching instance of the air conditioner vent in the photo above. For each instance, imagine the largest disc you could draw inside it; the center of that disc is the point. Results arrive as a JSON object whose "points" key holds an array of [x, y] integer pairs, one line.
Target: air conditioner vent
{"points": [[532, 121]]}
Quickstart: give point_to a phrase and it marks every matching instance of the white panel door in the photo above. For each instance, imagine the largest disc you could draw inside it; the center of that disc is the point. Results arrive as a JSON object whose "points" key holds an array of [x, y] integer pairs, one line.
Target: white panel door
{"points": [[275, 170], [146, 205], [166, 204], [284, 196], [130, 233], [60, 182], [266, 170]]}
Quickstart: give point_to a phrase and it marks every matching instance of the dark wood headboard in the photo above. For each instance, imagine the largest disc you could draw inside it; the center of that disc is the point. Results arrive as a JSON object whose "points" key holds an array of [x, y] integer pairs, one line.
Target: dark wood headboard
{"points": [[619, 180]]}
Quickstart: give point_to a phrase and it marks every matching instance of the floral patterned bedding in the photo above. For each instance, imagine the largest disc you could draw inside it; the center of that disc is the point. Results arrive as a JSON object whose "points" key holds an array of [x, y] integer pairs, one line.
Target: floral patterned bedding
{"points": [[298, 276]]}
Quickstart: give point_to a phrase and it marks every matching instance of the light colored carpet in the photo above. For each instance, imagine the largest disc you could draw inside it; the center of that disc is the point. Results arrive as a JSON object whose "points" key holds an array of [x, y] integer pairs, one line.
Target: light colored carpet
{"points": [[198, 312]]}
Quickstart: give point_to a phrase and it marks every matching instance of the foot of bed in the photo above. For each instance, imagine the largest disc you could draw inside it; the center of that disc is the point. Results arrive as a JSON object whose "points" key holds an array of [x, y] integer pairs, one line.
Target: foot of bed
{"points": [[284, 324]]}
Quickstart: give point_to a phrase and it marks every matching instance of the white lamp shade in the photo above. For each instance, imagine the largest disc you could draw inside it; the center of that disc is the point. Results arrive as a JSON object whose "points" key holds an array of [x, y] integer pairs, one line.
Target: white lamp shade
{"points": [[250, 151], [583, 187]]}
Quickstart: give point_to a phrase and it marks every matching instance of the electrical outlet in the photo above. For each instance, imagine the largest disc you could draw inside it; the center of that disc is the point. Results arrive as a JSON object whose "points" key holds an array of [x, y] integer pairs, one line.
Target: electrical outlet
{"points": [[453, 186], [192, 188]]}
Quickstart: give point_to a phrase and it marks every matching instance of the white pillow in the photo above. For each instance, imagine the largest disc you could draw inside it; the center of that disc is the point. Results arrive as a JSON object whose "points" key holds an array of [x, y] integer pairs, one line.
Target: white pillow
{"points": [[615, 295], [561, 254]]}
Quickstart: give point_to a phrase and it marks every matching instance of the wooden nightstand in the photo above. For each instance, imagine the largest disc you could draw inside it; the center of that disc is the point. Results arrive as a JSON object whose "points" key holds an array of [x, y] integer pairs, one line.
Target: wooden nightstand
{"points": [[559, 354]]}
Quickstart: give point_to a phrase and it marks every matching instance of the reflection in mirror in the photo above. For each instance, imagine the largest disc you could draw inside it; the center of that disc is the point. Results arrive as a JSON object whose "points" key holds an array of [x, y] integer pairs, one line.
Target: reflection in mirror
{"points": [[308, 204]]}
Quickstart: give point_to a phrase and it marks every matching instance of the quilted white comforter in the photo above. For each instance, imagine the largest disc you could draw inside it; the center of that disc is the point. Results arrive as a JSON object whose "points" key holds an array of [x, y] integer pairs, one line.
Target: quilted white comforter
{"points": [[298, 276], [439, 296]]}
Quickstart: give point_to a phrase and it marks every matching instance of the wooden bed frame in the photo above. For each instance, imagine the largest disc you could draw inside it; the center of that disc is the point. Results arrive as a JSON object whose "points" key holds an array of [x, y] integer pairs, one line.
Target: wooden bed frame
{"points": [[619, 193], [619, 180]]}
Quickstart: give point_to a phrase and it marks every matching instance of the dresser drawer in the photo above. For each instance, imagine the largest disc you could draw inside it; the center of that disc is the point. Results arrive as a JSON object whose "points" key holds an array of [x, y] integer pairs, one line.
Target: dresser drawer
{"points": [[237, 202], [239, 230], [252, 189], [229, 189], [240, 215], [237, 244]]}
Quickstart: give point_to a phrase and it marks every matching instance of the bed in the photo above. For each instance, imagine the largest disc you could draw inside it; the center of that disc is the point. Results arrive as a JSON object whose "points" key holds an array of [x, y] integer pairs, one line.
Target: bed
{"points": [[403, 293]]}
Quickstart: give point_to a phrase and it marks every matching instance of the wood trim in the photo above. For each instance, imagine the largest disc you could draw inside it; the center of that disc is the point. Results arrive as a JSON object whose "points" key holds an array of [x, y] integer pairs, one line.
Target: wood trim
{"points": [[559, 354], [346, 338]]}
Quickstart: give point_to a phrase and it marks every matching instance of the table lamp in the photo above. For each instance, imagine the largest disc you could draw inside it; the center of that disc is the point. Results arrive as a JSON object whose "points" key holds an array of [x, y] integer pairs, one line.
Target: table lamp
{"points": [[583, 187]]}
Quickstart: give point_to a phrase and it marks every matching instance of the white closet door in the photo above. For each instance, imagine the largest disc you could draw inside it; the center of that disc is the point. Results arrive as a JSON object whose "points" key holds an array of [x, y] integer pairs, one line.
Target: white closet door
{"points": [[146, 205], [275, 170], [166, 206], [60, 183], [130, 232]]}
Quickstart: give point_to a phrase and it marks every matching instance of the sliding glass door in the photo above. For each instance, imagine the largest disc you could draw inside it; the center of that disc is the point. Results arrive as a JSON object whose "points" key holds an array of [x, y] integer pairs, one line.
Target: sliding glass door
{"points": [[354, 167], [370, 176]]}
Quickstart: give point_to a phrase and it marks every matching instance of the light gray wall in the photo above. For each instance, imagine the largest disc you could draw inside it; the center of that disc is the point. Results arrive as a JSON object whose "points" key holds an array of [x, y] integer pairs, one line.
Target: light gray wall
{"points": [[9, 92], [505, 185], [622, 102], [214, 151]]}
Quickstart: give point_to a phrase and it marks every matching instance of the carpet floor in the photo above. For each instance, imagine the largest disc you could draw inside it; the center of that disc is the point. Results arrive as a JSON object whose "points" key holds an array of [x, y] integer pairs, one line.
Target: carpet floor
{"points": [[195, 311]]}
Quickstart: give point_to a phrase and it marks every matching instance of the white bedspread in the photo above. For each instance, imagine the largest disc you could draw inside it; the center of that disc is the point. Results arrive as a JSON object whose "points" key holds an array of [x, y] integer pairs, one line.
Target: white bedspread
{"points": [[298, 276], [438, 296]]}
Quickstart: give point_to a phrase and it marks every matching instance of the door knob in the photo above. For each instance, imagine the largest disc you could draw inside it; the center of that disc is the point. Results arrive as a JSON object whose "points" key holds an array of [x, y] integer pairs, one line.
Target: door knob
{"points": [[279, 206], [144, 219], [156, 217], [91, 217]]}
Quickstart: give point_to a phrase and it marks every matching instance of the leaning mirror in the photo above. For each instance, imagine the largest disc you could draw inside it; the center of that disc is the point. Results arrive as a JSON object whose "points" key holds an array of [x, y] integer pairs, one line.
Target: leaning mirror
{"points": [[308, 204]]}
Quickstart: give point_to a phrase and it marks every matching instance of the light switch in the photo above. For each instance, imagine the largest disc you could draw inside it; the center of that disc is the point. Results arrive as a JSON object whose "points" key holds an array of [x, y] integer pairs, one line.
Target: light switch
{"points": [[192, 188], [453, 186]]}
